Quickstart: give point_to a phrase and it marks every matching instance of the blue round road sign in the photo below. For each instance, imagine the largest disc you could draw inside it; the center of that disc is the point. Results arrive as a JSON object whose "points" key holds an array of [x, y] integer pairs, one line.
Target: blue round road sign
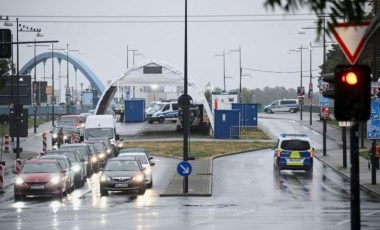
{"points": [[184, 168]]}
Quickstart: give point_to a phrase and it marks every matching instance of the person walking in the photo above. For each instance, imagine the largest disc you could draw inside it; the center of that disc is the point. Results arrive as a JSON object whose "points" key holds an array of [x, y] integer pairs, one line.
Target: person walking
{"points": [[377, 154]]}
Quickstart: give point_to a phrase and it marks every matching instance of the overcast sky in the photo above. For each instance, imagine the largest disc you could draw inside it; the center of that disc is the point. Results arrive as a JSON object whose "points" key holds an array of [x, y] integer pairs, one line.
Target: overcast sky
{"points": [[156, 29]]}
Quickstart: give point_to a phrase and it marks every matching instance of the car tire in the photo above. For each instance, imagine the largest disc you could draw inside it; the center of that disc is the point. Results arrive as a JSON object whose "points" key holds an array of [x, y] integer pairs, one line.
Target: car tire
{"points": [[150, 185], [161, 120], [19, 197], [292, 110], [268, 111], [78, 182], [103, 192], [150, 122], [142, 191]]}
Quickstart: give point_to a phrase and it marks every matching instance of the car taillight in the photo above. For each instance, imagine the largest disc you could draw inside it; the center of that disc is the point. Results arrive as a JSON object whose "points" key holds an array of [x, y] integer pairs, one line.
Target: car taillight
{"points": [[278, 153], [311, 154]]}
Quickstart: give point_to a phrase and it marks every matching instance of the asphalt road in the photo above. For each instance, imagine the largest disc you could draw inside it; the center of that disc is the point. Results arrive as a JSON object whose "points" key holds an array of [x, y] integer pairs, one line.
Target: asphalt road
{"points": [[246, 195]]}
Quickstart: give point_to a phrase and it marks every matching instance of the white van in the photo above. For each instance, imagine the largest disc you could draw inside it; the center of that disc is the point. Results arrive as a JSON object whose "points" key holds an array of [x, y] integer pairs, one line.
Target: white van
{"points": [[98, 126], [282, 105]]}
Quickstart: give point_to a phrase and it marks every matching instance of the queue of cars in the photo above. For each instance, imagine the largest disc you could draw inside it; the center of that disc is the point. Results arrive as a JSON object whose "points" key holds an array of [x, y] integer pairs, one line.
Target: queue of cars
{"points": [[67, 165]]}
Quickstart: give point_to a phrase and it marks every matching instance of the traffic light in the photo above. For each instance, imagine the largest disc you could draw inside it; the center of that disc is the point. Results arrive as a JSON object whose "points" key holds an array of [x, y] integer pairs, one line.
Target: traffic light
{"points": [[352, 92], [5, 49]]}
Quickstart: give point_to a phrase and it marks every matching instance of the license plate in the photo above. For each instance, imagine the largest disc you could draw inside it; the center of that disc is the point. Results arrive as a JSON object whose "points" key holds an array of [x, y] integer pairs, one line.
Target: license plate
{"points": [[37, 187], [295, 160], [121, 185]]}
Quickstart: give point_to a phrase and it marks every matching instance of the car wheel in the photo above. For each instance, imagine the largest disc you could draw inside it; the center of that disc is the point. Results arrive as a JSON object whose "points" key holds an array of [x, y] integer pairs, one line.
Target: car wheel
{"points": [[150, 122], [142, 191], [150, 185], [103, 192], [161, 120], [292, 110], [268, 111], [18, 197], [77, 182]]}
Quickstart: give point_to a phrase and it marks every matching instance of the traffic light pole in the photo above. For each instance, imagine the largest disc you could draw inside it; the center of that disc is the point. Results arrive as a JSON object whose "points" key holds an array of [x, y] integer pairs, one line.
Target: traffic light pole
{"points": [[355, 187]]}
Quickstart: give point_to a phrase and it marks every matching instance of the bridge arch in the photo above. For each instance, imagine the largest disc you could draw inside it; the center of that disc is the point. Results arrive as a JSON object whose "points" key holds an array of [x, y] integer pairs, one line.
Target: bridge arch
{"points": [[87, 72], [140, 75]]}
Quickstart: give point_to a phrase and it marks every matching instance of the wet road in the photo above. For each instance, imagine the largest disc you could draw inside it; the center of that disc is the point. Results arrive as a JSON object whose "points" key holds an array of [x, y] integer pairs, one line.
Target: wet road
{"points": [[246, 195]]}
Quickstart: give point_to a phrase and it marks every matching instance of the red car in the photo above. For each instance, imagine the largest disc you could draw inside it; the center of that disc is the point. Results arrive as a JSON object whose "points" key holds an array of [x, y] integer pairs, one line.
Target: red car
{"points": [[41, 177]]}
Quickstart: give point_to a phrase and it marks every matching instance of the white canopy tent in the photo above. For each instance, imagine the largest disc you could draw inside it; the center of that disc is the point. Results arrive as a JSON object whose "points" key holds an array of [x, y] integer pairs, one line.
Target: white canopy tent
{"points": [[156, 72]]}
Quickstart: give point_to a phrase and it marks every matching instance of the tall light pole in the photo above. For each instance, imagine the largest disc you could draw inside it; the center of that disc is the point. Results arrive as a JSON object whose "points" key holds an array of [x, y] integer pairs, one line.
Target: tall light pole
{"points": [[19, 106], [53, 100], [130, 50], [310, 86], [240, 72], [224, 68], [67, 95]]}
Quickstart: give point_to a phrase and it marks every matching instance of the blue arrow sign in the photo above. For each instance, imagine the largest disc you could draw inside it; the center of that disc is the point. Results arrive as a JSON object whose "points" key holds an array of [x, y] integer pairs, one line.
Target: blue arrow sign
{"points": [[184, 168]]}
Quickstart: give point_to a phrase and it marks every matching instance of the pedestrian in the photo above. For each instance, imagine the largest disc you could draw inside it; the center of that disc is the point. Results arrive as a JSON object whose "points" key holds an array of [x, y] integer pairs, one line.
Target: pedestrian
{"points": [[121, 119], [377, 155]]}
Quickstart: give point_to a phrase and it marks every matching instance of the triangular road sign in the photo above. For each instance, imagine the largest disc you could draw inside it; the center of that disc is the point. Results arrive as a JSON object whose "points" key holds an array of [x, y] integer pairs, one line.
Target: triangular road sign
{"points": [[351, 39]]}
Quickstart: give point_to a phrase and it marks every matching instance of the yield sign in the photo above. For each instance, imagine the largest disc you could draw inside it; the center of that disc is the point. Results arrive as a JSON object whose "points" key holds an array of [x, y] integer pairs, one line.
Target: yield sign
{"points": [[351, 38]]}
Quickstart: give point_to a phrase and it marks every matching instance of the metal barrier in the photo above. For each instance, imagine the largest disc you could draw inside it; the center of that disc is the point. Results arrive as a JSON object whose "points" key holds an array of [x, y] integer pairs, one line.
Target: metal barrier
{"points": [[44, 142], [18, 165], [2, 168], [7, 142]]}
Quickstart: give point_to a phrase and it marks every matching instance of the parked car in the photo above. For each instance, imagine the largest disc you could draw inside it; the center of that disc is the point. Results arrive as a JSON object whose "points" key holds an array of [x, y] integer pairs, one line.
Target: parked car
{"points": [[41, 177], [85, 151], [78, 163], [66, 165], [146, 163], [283, 105], [122, 174]]}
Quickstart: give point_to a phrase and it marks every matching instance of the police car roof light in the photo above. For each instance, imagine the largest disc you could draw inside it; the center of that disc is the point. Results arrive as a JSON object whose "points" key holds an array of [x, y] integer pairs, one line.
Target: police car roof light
{"points": [[293, 135]]}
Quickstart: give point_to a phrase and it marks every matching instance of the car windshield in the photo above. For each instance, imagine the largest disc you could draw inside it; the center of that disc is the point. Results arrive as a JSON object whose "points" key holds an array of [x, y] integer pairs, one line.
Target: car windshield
{"points": [[295, 145], [70, 155], [80, 149], [70, 130], [142, 158], [40, 168], [122, 166], [97, 132]]}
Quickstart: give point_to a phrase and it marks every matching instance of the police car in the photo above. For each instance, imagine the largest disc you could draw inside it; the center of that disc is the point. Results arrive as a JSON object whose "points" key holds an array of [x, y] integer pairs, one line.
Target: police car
{"points": [[293, 152]]}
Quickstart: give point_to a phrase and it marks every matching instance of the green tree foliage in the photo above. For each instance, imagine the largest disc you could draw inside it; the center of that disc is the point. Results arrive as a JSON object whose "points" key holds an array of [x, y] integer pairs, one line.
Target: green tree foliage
{"points": [[5, 69], [351, 11]]}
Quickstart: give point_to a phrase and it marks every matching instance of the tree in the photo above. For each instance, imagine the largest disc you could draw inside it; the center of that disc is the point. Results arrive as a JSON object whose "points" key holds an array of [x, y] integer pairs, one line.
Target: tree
{"points": [[351, 11], [5, 69]]}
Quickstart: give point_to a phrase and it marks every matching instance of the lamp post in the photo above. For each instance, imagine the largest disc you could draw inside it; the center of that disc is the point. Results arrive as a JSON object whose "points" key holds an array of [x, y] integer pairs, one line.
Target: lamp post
{"points": [[154, 87], [224, 68], [299, 49], [67, 94], [240, 72], [18, 107], [310, 86], [133, 52]]}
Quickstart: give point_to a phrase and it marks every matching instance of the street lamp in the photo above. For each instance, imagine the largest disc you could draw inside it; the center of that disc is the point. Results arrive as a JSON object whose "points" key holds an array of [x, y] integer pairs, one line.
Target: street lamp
{"points": [[224, 68], [133, 52], [154, 87], [6, 19], [240, 72]]}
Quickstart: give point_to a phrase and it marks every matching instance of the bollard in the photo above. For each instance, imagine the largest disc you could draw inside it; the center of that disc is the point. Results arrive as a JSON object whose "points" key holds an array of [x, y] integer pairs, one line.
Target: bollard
{"points": [[6, 144], [44, 142], [2, 177], [18, 164]]}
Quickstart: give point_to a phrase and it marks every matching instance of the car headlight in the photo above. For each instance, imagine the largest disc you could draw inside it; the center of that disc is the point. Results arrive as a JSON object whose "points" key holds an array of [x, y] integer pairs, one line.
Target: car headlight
{"points": [[76, 168], [104, 178], [120, 145], [147, 171], [64, 137], [109, 151], [55, 180], [55, 135], [19, 181], [138, 178], [82, 126], [102, 155], [94, 159]]}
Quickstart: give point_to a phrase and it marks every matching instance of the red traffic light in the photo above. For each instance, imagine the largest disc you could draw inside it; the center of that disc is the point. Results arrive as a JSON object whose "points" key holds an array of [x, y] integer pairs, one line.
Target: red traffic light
{"points": [[350, 78]]}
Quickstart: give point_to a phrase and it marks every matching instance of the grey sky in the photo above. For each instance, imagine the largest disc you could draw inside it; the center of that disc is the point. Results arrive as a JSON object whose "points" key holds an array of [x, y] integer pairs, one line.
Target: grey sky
{"points": [[265, 39]]}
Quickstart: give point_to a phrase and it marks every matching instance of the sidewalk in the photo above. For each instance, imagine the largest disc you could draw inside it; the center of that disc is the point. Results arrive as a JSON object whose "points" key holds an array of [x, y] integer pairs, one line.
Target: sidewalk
{"points": [[334, 158]]}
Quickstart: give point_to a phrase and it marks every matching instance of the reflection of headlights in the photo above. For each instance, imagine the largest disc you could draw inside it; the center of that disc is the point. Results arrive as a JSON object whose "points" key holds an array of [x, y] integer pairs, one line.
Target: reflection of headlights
{"points": [[94, 159], [19, 181], [55, 135], [104, 178], [76, 168], [108, 150], [147, 171], [55, 180], [102, 155], [138, 178]]}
